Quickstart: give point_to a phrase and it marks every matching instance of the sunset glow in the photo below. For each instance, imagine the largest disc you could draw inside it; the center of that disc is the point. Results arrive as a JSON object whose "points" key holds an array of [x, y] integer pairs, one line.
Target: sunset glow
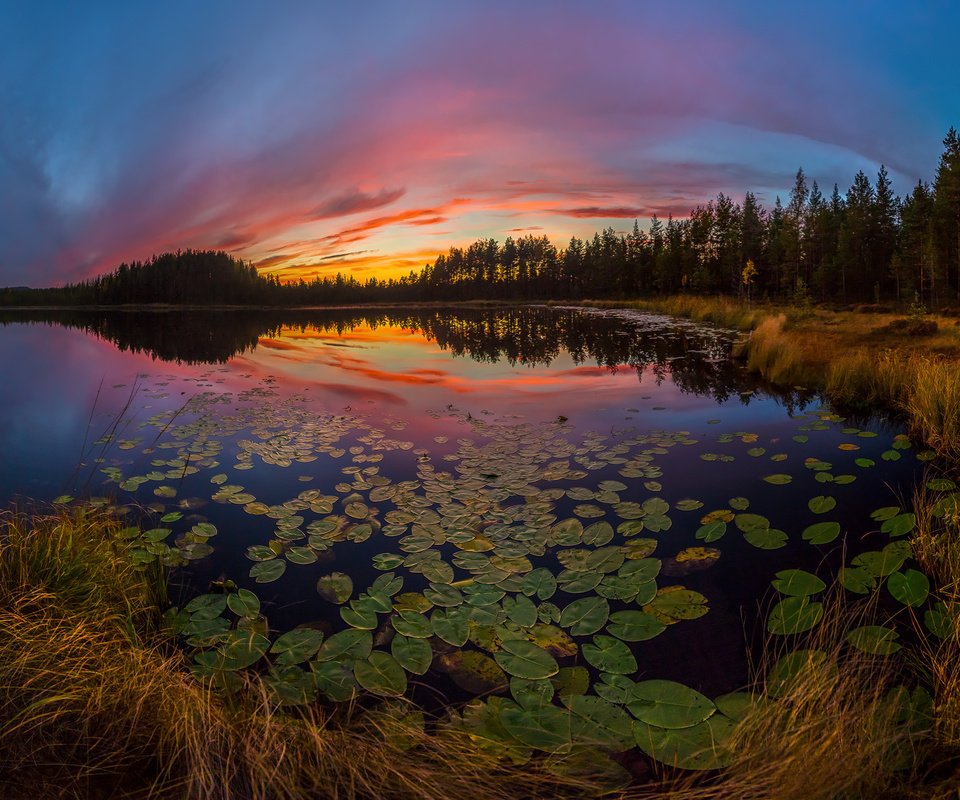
{"points": [[320, 140]]}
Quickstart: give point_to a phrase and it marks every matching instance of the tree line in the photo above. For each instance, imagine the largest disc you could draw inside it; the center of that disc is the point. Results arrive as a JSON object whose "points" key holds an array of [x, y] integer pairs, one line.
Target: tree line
{"points": [[862, 245]]}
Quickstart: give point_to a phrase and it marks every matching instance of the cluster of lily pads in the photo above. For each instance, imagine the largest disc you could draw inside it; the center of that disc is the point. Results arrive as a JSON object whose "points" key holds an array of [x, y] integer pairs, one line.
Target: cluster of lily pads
{"points": [[507, 568]]}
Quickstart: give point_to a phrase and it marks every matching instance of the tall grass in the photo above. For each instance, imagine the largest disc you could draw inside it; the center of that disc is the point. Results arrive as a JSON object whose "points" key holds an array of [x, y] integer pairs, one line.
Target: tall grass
{"points": [[96, 702]]}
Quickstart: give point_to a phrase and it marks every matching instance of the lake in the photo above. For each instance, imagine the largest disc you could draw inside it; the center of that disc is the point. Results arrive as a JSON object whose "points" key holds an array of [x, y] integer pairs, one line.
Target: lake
{"points": [[586, 517]]}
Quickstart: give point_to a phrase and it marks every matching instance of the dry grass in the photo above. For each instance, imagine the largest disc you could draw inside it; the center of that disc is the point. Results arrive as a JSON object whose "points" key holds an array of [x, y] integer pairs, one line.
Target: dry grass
{"points": [[96, 702], [835, 731]]}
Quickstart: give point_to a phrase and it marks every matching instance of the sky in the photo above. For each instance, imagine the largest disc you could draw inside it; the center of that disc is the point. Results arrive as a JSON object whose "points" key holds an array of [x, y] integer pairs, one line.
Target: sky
{"points": [[316, 137]]}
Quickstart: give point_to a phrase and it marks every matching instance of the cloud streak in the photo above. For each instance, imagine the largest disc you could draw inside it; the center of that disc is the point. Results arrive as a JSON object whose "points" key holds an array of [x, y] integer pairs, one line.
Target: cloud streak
{"points": [[148, 131]]}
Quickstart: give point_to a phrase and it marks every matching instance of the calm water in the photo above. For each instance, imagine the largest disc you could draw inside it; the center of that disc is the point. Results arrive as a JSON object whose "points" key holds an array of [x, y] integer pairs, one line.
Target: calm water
{"points": [[460, 450]]}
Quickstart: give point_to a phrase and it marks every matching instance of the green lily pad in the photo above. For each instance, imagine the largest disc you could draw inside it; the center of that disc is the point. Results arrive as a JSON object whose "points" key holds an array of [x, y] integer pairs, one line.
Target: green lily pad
{"points": [[899, 525], [473, 672], [821, 532], [244, 603], [539, 582], [778, 479], [335, 680], [381, 674], [674, 603], [698, 747], [798, 583], [766, 538], [594, 721], [585, 616], [608, 654], [668, 704], [794, 615], [910, 588], [635, 626], [346, 645], [524, 659], [297, 646], [858, 580], [796, 666], [335, 587], [881, 563], [451, 625], [544, 727], [875, 639], [712, 531], [821, 504], [414, 655], [268, 571]]}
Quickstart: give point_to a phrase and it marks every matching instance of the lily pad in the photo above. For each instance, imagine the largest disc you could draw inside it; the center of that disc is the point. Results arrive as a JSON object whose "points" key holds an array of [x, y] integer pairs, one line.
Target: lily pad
{"points": [[414, 655], [668, 704], [268, 571], [335, 587], [608, 654], [875, 639], [381, 674], [798, 583], [794, 615], [910, 587], [524, 659], [821, 532], [585, 616]]}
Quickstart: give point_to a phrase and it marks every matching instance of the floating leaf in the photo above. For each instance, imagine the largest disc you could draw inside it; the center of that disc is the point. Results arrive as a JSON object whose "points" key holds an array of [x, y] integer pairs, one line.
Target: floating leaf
{"points": [[472, 671], [585, 616], [268, 571], [244, 603], [821, 504], [798, 583], [297, 645], [524, 659], [380, 674], [821, 532], [712, 531], [675, 603], [349, 644], [794, 615], [335, 587], [884, 562], [608, 654], [635, 626], [778, 479], [543, 727], [899, 525], [910, 588], [668, 704], [698, 747], [875, 639], [858, 580], [539, 582], [414, 655], [796, 667], [766, 538], [451, 625]]}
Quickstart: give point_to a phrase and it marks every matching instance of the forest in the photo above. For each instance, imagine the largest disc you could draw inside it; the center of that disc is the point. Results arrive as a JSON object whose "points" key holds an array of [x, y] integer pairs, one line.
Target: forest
{"points": [[864, 245]]}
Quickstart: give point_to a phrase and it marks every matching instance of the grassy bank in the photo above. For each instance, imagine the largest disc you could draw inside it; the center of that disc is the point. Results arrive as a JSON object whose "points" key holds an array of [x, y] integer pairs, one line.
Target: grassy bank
{"points": [[96, 701], [861, 361]]}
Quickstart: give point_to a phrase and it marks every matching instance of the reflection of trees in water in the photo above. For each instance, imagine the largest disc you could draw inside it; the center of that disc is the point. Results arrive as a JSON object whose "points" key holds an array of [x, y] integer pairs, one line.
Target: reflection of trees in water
{"points": [[695, 358]]}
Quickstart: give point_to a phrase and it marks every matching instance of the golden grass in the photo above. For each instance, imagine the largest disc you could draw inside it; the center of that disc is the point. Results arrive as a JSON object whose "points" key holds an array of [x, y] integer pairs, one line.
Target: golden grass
{"points": [[834, 731], [96, 702]]}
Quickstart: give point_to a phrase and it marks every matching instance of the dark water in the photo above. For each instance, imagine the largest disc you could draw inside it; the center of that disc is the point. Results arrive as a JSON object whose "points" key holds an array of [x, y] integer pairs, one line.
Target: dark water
{"points": [[495, 424]]}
